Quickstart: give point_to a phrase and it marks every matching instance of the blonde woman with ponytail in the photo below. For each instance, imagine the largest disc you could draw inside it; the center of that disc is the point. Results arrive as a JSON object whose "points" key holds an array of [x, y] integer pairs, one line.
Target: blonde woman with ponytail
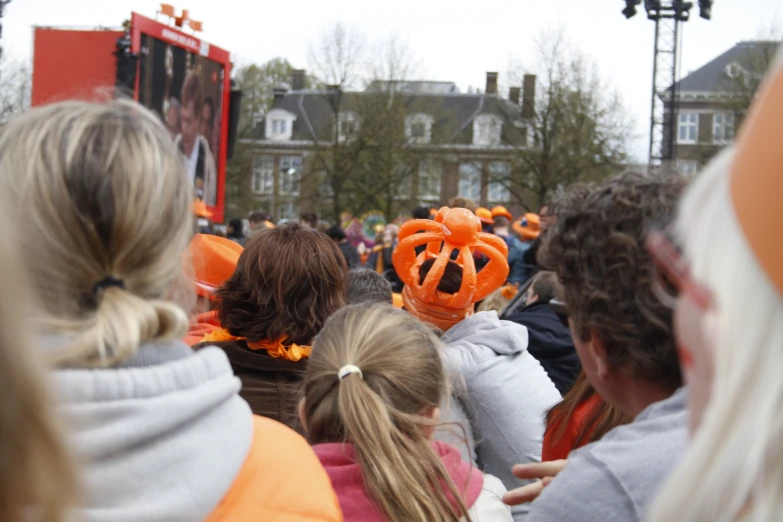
{"points": [[729, 326], [102, 205], [370, 406], [35, 469]]}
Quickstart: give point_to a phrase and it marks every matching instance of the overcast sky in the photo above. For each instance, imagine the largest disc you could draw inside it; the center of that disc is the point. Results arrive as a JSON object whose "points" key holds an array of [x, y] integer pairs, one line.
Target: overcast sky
{"points": [[454, 40]]}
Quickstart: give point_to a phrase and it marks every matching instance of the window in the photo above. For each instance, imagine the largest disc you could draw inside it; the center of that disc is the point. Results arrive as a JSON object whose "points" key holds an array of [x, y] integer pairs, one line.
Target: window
{"points": [[499, 181], [470, 181], [723, 127], [689, 127], [418, 128], [290, 175], [487, 129], [279, 125], [688, 166], [263, 171], [429, 180], [733, 70], [348, 125]]}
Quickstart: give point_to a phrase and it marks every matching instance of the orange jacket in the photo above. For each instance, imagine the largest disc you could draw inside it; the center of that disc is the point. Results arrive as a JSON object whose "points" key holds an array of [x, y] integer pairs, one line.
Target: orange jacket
{"points": [[281, 480], [201, 325]]}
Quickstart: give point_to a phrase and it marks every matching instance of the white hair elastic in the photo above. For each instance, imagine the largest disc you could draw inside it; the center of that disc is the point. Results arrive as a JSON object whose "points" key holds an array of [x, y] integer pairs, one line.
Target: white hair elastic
{"points": [[347, 370]]}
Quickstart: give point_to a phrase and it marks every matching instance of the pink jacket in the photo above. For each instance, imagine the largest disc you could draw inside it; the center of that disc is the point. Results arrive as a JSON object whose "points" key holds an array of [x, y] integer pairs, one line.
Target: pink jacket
{"points": [[346, 476]]}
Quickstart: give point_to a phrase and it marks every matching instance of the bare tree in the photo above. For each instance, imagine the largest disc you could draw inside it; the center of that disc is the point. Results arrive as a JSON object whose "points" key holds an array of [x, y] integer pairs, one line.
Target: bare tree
{"points": [[338, 56], [15, 84], [579, 128]]}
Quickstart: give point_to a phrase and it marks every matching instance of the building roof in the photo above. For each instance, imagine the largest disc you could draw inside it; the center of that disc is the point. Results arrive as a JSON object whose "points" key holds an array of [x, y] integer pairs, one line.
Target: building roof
{"points": [[452, 113], [711, 77], [418, 87]]}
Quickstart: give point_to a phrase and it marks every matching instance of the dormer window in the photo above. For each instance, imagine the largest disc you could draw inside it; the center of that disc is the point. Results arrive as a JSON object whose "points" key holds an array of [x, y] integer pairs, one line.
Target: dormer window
{"points": [[347, 125], [733, 70], [279, 125], [418, 128], [487, 129]]}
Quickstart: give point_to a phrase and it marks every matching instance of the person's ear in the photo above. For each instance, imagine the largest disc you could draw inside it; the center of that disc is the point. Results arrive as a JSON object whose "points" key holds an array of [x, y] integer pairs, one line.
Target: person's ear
{"points": [[302, 417], [598, 350]]}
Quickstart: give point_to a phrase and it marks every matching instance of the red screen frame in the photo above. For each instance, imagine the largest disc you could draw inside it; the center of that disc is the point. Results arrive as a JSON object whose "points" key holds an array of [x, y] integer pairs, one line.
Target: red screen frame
{"points": [[172, 35]]}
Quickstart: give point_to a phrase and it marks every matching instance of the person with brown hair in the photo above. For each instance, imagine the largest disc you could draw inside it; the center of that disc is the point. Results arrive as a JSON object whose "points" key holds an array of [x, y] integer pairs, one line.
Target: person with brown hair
{"points": [[102, 211], [371, 397], [199, 160], [623, 336], [288, 281]]}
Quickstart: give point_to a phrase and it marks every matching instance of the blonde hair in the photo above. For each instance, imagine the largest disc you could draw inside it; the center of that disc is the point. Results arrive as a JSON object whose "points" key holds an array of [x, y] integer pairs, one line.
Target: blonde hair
{"points": [[101, 195], [734, 467], [381, 413], [35, 470]]}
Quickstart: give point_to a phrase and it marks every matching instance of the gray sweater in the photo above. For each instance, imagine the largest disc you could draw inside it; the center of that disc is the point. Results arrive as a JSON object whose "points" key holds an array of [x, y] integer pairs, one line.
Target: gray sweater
{"points": [[501, 394], [616, 478]]}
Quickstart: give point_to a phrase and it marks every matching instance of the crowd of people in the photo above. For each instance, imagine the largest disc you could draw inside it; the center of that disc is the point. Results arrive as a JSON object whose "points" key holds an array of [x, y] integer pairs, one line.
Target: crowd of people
{"points": [[613, 357]]}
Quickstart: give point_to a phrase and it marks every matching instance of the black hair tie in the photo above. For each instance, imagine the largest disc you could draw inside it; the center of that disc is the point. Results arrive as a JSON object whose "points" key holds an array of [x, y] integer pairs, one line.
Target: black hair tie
{"points": [[107, 283]]}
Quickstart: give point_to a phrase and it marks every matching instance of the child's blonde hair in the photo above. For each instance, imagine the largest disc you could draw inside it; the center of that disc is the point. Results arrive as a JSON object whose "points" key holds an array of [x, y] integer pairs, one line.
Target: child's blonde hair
{"points": [[103, 210], [383, 411]]}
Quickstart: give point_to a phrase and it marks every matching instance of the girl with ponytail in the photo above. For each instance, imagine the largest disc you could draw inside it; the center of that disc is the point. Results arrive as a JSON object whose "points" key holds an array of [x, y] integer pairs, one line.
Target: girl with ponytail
{"points": [[101, 203], [370, 406]]}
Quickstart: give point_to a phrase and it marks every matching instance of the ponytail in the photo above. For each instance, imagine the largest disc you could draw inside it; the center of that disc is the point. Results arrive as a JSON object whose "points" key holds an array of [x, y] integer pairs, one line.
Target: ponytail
{"points": [[380, 410]]}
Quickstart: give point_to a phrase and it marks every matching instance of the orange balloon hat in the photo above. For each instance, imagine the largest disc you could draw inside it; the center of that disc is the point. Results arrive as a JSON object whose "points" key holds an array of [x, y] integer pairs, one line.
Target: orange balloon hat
{"points": [[452, 229], [214, 260]]}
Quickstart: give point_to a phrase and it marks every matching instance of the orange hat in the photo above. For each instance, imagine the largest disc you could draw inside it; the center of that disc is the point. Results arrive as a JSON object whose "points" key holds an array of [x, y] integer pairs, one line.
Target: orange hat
{"points": [[433, 212], [502, 212], [200, 209], [214, 260], [528, 226], [484, 215], [757, 175], [459, 229]]}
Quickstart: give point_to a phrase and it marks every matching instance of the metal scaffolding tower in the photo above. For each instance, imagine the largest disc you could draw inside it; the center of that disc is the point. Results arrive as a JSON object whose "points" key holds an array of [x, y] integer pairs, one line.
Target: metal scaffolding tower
{"points": [[668, 16]]}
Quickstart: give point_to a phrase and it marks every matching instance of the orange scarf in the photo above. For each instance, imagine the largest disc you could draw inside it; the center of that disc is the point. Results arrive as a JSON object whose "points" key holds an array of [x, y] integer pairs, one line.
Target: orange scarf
{"points": [[276, 348]]}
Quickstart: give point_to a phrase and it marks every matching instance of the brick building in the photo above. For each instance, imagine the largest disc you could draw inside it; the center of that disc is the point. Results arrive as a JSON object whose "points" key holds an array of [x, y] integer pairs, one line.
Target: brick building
{"points": [[460, 144]]}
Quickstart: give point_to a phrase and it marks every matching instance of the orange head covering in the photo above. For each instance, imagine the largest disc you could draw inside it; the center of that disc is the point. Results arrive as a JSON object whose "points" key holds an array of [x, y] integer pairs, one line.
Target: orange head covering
{"points": [[214, 261], [528, 226], [757, 175], [484, 215], [200, 209], [451, 229], [500, 211]]}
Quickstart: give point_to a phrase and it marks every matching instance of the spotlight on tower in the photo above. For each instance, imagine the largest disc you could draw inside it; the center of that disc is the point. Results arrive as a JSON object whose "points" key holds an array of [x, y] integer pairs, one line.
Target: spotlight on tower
{"points": [[705, 9], [630, 8]]}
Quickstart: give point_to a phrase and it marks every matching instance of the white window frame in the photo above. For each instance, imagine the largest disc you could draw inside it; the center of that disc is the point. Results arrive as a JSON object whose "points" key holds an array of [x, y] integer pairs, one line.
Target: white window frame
{"points": [[343, 119], [688, 167], [688, 120], [487, 130], [263, 175], [499, 182], [723, 127], [290, 187], [470, 174], [425, 121], [279, 125], [430, 179]]}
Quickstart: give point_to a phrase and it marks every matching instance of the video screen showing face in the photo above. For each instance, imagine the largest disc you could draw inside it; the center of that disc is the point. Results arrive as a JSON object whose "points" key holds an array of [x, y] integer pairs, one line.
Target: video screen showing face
{"points": [[186, 91]]}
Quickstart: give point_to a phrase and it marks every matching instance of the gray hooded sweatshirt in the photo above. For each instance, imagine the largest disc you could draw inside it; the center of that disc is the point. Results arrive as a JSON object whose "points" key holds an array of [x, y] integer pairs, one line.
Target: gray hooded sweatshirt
{"points": [[500, 391], [161, 438]]}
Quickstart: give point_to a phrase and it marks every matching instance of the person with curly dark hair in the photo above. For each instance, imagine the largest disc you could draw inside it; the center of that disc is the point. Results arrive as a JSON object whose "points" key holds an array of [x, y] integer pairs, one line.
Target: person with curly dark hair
{"points": [[288, 281], [623, 336]]}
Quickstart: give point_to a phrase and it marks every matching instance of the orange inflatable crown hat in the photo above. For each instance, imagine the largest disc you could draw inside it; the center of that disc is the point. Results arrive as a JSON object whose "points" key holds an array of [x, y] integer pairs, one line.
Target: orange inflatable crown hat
{"points": [[484, 215], [756, 181], [452, 229], [214, 260], [502, 212], [528, 226], [200, 209]]}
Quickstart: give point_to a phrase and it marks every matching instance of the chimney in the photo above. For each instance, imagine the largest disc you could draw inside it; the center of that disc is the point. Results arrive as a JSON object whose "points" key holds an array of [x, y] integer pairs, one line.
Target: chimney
{"points": [[279, 93], [492, 83], [298, 80], [529, 96], [513, 95]]}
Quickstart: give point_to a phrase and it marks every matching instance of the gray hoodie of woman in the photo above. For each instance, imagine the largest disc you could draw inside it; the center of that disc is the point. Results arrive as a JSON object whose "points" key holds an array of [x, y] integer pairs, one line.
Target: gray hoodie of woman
{"points": [[501, 395]]}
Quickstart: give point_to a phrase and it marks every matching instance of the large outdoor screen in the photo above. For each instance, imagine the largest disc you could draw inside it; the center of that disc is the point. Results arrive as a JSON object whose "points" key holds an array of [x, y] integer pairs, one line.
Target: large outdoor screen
{"points": [[185, 82]]}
